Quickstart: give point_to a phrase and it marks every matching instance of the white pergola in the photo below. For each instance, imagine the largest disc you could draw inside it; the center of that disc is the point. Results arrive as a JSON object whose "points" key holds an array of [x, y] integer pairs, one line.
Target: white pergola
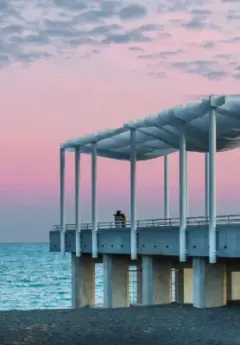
{"points": [[208, 126]]}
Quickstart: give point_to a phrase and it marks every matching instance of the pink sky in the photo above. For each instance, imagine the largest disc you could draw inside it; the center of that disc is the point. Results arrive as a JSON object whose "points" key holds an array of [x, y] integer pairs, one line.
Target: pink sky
{"points": [[73, 93]]}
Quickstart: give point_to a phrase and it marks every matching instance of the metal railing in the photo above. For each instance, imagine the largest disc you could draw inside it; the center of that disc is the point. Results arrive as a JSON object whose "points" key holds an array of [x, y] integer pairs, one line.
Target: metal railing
{"points": [[202, 220], [135, 285]]}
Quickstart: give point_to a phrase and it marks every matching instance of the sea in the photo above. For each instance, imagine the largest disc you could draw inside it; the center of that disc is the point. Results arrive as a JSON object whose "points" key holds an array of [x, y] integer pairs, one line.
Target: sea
{"points": [[34, 278]]}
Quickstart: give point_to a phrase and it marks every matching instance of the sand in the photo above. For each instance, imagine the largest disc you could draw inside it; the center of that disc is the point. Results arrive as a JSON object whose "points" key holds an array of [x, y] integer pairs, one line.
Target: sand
{"points": [[165, 325]]}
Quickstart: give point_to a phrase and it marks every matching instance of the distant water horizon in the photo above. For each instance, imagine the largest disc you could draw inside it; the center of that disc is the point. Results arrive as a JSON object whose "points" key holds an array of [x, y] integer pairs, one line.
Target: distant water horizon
{"points": [[34, 278]]}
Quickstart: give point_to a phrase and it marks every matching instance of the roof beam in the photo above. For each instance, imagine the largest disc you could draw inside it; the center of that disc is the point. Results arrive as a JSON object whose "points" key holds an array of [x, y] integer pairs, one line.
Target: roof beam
{"points": [[82, 141], [107, 153], [170, 143], [225, 112], [194, 134], [155, 153]]}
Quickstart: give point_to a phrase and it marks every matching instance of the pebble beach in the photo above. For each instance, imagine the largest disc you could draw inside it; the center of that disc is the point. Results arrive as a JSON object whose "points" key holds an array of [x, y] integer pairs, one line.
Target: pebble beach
{"points": [[163, 325]]}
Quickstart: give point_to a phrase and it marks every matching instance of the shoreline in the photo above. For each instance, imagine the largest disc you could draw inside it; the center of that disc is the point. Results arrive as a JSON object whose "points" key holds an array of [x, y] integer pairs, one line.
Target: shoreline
{"points": [[165, 325]]}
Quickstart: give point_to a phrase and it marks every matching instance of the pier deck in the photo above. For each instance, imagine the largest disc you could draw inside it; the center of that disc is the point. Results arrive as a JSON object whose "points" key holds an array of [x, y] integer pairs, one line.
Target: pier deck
{"points": [[155, 237]]}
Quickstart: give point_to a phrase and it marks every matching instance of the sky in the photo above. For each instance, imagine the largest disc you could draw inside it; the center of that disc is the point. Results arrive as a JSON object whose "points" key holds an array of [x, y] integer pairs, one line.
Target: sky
{"points": [[73, 67]]}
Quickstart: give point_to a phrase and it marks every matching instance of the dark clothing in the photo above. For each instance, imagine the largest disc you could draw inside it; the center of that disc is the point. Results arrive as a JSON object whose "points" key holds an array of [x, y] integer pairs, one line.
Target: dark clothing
{"points": [[124, 220], [120, 219]]}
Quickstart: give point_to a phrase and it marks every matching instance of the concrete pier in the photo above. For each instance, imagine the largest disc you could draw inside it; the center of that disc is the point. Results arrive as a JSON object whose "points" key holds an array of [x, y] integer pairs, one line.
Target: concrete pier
{"points": [[116, 281], [233, 281], [83, 281], [196, 282], [209, 284], [205, 250], [156, 280]]}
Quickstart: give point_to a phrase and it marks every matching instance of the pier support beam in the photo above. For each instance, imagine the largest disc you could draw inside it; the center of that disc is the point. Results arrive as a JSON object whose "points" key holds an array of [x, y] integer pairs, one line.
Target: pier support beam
{"points": [[212, 188], [229, 285], [133, 162], [206, 184], [179, 286], [94, 201], [166, 188], [83, 281], [209, 284], [62, 200], [156, 281], [116, 281], [77, 203], [183, 198]]}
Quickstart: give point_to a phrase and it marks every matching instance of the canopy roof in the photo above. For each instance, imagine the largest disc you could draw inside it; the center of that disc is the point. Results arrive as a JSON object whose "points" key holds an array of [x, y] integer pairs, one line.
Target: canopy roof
{"points": [[158, 135]]}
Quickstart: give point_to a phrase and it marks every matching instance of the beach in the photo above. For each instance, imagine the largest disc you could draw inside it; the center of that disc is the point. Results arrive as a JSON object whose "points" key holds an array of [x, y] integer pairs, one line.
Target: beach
{"points": [[164, 325]]}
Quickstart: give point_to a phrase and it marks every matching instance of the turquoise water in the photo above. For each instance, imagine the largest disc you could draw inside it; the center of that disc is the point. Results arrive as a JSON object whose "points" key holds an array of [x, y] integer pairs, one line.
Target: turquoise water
{"points": [[33, 278]]}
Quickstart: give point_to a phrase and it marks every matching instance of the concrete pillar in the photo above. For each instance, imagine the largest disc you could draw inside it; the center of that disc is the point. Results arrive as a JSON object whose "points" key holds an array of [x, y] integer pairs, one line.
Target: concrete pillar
{"points": [[116, 281], [83, 281], [179, 286], [188, 285], [235, 285], [139, 282], [209, 284], [156, 281], [229, 284]]}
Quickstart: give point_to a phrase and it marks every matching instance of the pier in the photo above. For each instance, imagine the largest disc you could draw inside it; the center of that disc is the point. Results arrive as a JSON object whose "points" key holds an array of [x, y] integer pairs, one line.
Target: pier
{"points": [[203, 252]]}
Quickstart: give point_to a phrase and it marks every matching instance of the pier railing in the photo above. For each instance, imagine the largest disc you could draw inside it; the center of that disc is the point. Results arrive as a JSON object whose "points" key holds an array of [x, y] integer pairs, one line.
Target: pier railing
{"points": [[202, 220]]}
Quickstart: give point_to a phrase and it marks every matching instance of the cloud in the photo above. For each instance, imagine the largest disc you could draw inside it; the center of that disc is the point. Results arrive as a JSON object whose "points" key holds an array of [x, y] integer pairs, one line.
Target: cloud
{"points": [[233, 40], [90, 54], [196, 23], [103, 29], [206, 68], [158, 75], [40, 29], [59, 25], [128, 37], [70, 5], [200, 12], [89, 10], [132, 36], [208, 45], [177, 5], [160, 55], [222, 56], [136, 49], [132, 11], [233, 15], [195, 19]]}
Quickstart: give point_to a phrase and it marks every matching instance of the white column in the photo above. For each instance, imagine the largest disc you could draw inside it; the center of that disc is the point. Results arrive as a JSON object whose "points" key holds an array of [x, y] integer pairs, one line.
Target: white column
{"points": [[212, 187], [94, 201], [62, 200], [133, 195], [206, 184], [77, 202], [187, 187], [182, 197], [166, 188]]}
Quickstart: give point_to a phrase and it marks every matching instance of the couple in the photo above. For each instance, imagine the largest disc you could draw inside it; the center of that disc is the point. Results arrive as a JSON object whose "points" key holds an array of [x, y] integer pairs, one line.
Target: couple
{"points": [[120, 219]]}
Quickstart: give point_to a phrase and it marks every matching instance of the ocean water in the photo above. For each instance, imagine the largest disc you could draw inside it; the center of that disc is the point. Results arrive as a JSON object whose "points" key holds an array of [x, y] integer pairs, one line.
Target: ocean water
{"points": [[34, 278]]}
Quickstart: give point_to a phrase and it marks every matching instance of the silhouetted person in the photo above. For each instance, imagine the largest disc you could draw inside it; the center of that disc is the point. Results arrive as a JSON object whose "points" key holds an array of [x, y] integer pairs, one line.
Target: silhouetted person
{"points": [[123, 219], [118, 219]]}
